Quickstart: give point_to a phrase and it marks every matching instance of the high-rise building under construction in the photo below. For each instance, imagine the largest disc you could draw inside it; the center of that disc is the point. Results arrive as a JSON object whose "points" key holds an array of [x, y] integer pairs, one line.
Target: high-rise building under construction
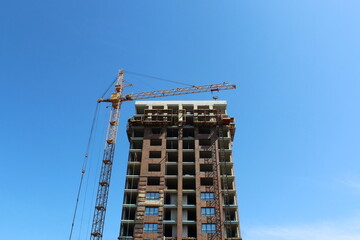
{"points": [[180, 181]]}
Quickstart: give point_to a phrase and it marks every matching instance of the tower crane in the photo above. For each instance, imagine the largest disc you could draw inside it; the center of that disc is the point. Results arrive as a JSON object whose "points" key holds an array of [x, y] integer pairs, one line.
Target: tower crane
{"points": [[116, 100]]}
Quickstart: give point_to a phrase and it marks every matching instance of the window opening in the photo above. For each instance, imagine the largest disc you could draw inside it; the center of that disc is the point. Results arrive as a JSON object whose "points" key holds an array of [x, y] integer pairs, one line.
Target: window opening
{"points": [[156, 130], [150, 227], [208, 212], [206, 181], [152, 196], [208, 228], [155, 142], [154, 167], [207, 196], [155, 154], [206, 167], [151, 211], [151, 181]]}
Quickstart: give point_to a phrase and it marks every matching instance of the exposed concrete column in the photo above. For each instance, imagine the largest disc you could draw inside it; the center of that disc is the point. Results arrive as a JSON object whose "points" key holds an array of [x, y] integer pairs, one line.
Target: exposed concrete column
{"points": [[180, 184]]}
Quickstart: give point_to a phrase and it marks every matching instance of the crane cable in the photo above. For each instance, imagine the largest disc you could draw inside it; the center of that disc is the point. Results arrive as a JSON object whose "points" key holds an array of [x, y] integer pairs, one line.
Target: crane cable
{"points": [[83, 170], [112, 84], [158, 78]]}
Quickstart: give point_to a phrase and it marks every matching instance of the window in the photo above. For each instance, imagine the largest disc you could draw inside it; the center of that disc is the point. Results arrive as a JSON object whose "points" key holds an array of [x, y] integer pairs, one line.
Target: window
{"points": [[207, 196], [151, 211], [138, 132], [152, 196], [206, 168], [208, 228], [205, 154], [188, 132], [155, 142], [153, 181], [156, 130], [206, 181], [172, 132], [150, 227], [204, 130], [154, 167], [155, 154], [204, 142], [208, 212]]}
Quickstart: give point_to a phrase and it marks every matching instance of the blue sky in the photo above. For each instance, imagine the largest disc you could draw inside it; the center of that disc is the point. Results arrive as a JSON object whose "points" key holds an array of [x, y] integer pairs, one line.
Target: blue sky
{"points": [[296, 66]]}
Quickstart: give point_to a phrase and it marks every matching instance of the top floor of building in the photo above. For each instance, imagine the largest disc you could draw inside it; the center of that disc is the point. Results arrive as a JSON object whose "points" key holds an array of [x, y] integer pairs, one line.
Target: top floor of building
{"points": [[197, 114], [181, 113], [187, 107]]}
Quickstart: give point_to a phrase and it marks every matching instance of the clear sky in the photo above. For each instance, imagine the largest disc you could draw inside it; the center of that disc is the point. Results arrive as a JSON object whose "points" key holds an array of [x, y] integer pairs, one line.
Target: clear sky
{"points": [[296, 64]]}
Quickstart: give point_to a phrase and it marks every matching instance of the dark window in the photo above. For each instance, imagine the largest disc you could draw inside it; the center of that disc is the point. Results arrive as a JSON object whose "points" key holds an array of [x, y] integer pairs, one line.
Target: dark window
{"points": [[208, 212], [205, 154], [188, 132], [171, 183], [192, 231], [154, 167], [139, 132], [188, 157], [208, 228], [206, 181], [156, 130], [188, 170], [188, 144], [155, 142], [150, 227], [171, 170], [151, 211], [172, 157], [191, 199], [170, 144], [172, 132], [152, 196], [204, 130], [153, 181], [204, 142], [168, 231], [207, 196], [137, 144], [155, 154], [206, 167], [189, 183]]}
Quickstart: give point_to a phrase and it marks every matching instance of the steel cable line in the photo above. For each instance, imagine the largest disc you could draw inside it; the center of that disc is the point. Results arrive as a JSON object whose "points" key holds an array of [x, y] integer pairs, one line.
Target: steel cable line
{"points": [[112, 84], [85, 161], [89, 171], [158, 78], [83, 170]]}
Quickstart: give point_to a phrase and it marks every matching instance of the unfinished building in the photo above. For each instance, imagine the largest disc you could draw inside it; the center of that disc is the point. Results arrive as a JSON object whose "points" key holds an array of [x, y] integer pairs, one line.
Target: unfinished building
{"points": [[180, 181]]}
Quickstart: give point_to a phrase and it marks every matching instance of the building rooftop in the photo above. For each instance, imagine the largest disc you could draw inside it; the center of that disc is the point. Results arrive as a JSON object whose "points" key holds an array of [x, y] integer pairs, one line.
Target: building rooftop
{"points": [[184, 102]]}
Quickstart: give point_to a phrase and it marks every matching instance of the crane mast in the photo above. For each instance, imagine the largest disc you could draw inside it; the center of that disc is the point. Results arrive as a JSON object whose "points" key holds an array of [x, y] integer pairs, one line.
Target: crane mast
{"points": [[106, 167], [105, 173]]}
